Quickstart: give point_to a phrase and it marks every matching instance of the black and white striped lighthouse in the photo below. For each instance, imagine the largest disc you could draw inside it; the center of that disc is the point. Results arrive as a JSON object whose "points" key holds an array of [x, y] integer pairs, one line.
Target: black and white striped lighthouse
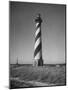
{"points": [[38, 61]]}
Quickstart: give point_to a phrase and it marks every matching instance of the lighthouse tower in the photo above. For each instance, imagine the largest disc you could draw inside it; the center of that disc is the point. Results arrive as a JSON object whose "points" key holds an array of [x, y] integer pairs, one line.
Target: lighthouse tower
{"points": [[38, 61]]}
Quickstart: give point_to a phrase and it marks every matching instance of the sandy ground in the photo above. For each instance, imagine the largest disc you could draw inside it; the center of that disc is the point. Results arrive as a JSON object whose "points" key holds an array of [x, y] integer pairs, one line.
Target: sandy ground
{"points": [[34, 83], [28, 76]]}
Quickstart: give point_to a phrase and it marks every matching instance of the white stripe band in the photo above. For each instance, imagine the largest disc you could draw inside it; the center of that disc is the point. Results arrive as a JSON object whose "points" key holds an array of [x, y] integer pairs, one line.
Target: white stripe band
{"points": [[37, 43], [37, 24], [38, 55], [37, 31]]}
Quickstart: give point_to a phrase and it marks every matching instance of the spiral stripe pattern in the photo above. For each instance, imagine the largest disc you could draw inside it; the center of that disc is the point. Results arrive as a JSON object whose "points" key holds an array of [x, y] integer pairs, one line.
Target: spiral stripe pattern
{"points": [[38, 45]]}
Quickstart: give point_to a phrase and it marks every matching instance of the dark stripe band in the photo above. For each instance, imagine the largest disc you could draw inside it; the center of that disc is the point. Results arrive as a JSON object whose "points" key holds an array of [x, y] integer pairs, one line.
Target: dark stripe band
{"points": [[37, 49], [38, 35]]}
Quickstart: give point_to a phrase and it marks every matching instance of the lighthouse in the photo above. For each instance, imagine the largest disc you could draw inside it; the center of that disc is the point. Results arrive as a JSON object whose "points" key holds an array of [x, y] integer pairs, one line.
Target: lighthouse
{"points": [[38, 61]]}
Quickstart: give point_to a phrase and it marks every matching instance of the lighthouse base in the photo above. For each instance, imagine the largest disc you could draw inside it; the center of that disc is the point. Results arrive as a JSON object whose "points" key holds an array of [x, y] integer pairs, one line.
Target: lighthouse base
{"points": [[38, 62]]}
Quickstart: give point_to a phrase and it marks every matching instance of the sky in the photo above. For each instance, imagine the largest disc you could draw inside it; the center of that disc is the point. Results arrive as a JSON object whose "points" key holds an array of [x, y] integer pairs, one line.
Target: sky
{"points": [[22, 32]]}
